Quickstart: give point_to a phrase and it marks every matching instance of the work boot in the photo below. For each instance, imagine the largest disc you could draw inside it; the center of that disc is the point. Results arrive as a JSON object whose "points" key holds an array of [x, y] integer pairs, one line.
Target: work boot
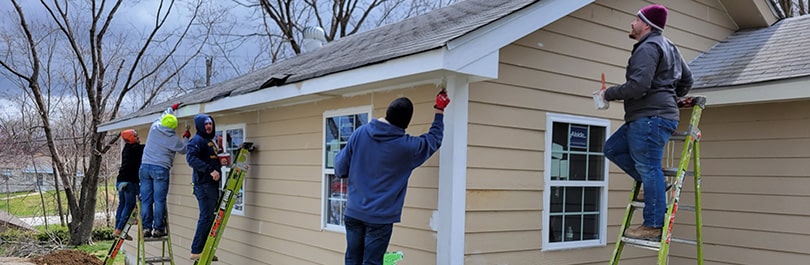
{"points": [[644, 232], [158, 233], [147, 233], [197, 256], [117, 234]]}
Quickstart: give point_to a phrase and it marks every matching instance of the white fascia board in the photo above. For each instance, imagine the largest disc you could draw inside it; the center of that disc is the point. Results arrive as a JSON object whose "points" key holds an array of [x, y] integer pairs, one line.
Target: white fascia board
{"points": [[772, 91], [409, 65], [491, 38], [129, 123]]}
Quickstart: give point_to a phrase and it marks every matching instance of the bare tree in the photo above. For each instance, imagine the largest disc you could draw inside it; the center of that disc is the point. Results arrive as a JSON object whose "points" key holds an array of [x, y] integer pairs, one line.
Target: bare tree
{"points": [[73, 53], [284, 20], [790, 8]]}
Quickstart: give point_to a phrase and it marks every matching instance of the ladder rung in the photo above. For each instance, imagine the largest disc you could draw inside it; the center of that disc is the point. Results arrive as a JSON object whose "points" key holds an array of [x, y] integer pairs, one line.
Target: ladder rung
{"points": [[679, 136], [683, 241], [641, 243], [150, 260], [671, 172], [159, 239], [690, 208], [637, 204]]}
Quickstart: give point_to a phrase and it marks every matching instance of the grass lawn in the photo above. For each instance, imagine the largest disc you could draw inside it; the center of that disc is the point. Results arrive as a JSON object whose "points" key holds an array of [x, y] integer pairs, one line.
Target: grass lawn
{"points": [[99, 249], [28, 204]]}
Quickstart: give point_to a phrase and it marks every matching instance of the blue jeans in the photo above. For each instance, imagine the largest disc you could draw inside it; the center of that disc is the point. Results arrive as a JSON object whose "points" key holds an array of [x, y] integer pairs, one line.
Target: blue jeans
{"points": [[127, 197], [207, 198], [154, 188], [637, 147], [366, 243]]}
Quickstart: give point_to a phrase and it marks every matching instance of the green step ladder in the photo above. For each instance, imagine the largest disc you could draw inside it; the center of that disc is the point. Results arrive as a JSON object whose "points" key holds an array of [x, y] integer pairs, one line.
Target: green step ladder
{"points": [[166, 254], [690, 153], [227, 199]]}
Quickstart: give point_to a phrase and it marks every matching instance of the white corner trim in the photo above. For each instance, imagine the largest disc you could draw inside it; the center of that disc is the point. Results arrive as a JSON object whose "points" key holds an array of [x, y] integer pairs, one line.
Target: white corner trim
{"points": [[453, 175], [772, 91], [492, 37]]}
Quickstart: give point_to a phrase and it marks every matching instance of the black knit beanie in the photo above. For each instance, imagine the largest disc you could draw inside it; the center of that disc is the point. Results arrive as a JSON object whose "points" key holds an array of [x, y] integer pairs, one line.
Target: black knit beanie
{"points": [[399, 113]]}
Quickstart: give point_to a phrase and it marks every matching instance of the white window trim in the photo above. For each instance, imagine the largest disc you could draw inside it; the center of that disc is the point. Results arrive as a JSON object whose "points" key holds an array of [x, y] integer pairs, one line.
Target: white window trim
{"points": [[603, 207], [324, 199], [226, 170]]}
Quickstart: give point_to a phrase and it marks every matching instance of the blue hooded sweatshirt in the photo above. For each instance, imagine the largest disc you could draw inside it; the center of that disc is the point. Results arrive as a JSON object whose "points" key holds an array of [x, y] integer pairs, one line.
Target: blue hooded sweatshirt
{"points": [[202, 152], [378, 160]]}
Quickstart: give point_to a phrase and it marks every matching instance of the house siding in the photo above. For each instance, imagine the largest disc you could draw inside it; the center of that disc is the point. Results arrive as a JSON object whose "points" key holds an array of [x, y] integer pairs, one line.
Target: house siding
{"points": [[754, 161], [282, 221], [554, 70]]}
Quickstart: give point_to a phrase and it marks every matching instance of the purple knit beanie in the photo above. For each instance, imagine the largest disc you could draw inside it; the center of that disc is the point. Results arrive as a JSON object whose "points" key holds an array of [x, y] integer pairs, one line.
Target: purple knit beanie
{"points": [[654, 15]]}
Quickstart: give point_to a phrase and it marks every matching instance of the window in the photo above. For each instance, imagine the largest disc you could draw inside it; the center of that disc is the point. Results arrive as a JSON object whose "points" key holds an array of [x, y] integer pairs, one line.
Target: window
{"points": [[338, 126], [228, 139], [576, 182]]}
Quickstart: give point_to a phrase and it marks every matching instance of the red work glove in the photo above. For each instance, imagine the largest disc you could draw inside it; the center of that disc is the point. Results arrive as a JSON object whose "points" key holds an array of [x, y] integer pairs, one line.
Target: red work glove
{"points": [[442, 100], [175, 106], [187, 134]]}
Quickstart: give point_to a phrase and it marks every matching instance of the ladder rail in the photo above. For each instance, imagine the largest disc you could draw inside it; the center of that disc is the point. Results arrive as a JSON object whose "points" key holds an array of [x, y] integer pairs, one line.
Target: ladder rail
{"points": [[689, 155], [166, 244], [698, 206], [227, 200]]}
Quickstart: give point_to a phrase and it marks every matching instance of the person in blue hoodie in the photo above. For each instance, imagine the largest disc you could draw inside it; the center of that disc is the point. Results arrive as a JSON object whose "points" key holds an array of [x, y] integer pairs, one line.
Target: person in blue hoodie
{"points": [[158, 157], [378, 160], [202, 158]]}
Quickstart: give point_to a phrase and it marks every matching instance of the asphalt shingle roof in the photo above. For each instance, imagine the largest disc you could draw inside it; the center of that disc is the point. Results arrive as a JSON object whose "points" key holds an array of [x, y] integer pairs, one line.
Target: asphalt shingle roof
{"points": [[751, 56], [414, 35]]}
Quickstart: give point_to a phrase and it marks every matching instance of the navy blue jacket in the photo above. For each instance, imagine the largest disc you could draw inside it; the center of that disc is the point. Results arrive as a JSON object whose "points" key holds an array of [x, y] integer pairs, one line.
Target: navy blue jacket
{"points": [[378, 160], [202, 152]]}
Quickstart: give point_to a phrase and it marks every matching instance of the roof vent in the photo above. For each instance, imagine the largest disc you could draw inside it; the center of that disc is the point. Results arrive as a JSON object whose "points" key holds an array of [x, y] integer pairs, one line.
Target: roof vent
{"points": [[314, 38]]}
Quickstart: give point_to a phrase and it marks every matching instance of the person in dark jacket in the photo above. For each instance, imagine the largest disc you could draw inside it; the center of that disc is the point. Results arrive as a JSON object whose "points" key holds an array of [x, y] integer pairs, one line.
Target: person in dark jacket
{"points": [[127, 181], [378, 160], [203, 160], [656, 76]]}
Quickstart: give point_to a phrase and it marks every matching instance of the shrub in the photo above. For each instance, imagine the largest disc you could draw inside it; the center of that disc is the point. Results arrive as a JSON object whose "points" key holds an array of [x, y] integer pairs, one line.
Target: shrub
{"points": [[102, 233], [59, 234]]}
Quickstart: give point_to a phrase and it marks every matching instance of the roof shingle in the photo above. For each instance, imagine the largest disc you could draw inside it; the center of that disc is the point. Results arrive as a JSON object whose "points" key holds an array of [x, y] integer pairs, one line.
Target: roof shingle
{"points": [[760, 55]]}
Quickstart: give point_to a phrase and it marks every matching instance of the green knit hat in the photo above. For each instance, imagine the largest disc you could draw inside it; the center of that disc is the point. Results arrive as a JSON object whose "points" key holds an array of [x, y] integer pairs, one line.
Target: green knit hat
{"points": [[169, 121]]}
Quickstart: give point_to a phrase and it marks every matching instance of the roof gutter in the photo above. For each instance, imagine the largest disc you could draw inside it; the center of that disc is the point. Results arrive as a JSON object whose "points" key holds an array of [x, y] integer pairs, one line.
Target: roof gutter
{"points": [[756, 93]]}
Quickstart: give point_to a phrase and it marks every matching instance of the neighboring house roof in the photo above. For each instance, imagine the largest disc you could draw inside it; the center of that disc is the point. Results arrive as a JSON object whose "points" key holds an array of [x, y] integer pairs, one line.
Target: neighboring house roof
{"points": [[414, 35], [753, 56]]}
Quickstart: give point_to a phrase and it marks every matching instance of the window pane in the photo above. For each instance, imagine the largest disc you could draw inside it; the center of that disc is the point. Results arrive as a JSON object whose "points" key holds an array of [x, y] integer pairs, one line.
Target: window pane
{"points": [[596, 139], [560, 135], [573, 199], [336, 200], [590, 226], [578, 137], [556, 201], [592, 199], [572, 224], [555, 233], [577, 167], [596, 167]]}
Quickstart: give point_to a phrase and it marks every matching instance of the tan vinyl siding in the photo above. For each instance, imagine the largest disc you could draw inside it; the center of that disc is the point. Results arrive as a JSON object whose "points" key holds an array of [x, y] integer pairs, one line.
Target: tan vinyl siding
{"points": [[755, 162], [554, 70], [282, 217]]}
